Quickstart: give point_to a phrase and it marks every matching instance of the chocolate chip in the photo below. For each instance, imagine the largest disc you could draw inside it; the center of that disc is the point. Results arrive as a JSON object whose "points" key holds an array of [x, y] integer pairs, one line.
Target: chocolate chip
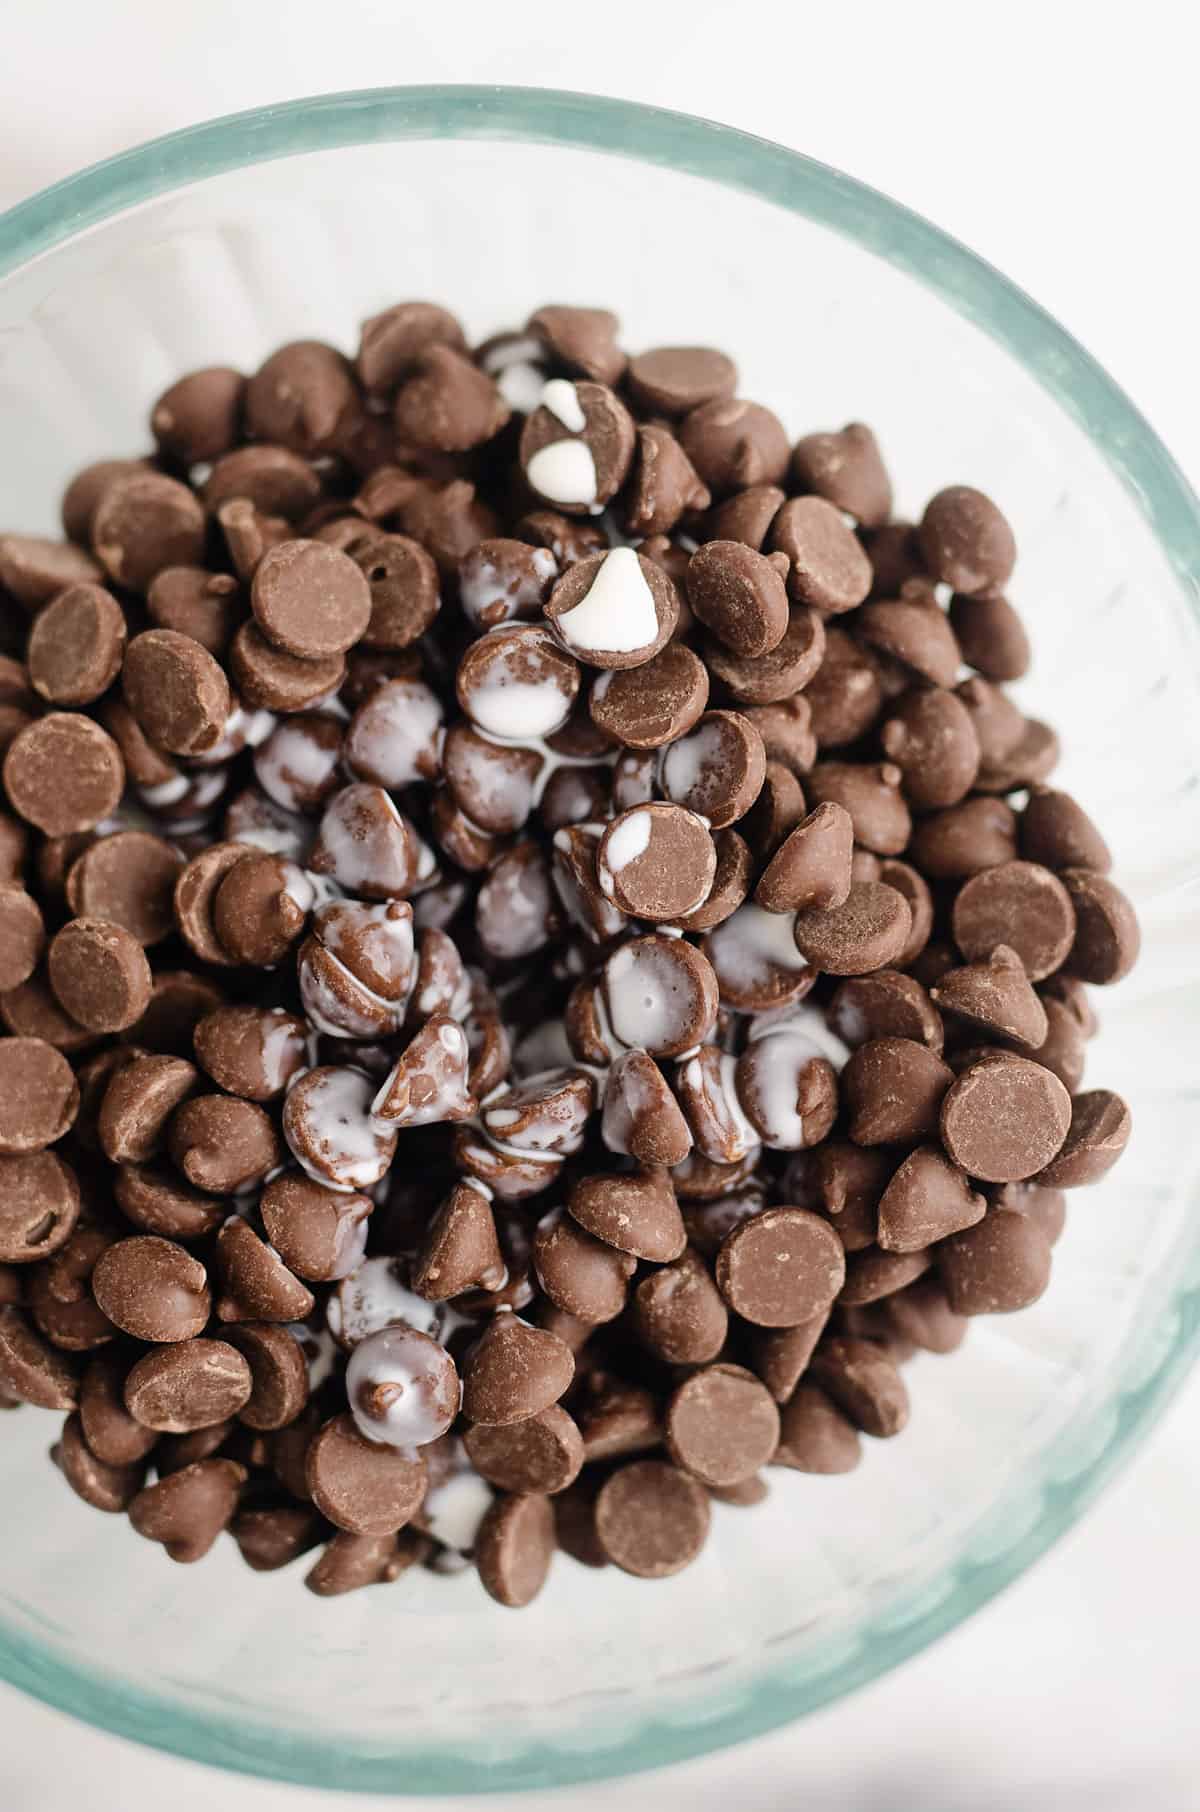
{"points": [[733, 444], [641, 1117], [515, 682], [781, 1267], [1021, 905], [81, 497], [39, 1204], [302, 398], [99, 974], [111, 1433], [657, 703], [1047, 1208], [31, 1011], [192, 1384], [893, 1088], [966, 542], [781, 1355], [990, 636], [195, 893], [501, 579], [1004, 1118], [365, 845], [541, 1455], [103, 1486], [176, 690], [847, 470], [867, 931], [827, 567], [514, 1547], [635, 1212], [613, 610], [514, 1371], [319, 1233], [914, 632], [1033, 758], [717, 770], [721, 1425], [349, 1562], [931, 738], [864, 1384], [445, 404], [269, 679], [39, 1096], [814, 1434], [251, 1051], [582, 340], [787, 668], [663, 487], [927, 1199], [76, 645], [657, 862], [811, 868], [129, 879], [153, 1289], [1107, 936], [63, 774], [739, 595], [1099, 1132], [885, 1004], [276, 481], [391, 342], [997, 996], [844, 694], [256, 1285], [258, 910], [870, 793], [964, 839], [199, 416], [33, 569], [310, 600], [360, 1485], [142, 522], [138, 1102], [995, 1267], [566, 539], [580, 1274], [32, 1370], [278, 1373], [1058, 833], [662, 994], [678, 1312], [577, 445], [651, 1519], [222, 1144], [730, 884], [671, 380], [158, 1201], [188, 1510]]}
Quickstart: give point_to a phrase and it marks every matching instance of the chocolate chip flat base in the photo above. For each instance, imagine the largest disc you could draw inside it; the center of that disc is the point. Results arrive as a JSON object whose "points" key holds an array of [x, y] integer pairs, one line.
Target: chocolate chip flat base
{"points": [[539, 963]]}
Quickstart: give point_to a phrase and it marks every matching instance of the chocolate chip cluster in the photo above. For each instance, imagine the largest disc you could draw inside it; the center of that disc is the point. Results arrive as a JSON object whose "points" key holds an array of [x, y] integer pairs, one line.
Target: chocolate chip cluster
{"points": [[538, 958]]}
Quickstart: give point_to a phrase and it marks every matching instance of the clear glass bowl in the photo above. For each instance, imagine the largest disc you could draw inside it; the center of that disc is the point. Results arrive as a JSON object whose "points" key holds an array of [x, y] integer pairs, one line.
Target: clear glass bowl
{"points": [[217, 243]]}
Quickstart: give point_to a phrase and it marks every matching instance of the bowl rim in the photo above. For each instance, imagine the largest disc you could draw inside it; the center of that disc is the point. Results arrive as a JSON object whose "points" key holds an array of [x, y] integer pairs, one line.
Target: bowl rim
{"points": [[1110, 1434]]}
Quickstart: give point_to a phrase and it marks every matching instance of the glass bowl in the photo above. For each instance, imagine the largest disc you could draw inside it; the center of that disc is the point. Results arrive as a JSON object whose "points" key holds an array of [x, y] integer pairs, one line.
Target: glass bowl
{"points": [[217, 243]]}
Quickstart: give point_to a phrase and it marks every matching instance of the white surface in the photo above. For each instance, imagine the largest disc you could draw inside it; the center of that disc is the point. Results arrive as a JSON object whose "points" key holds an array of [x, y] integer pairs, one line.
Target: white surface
{"points": [[1069, 162]]}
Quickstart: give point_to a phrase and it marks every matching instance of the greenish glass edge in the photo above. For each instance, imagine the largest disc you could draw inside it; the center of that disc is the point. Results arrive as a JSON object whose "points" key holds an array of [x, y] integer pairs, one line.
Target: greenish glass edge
{"points": [[1078, 384], [249, 1748]]}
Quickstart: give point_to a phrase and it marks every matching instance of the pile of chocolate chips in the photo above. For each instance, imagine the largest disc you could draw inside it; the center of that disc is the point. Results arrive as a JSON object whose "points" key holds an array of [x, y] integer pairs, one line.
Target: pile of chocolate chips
{"points": [[538, 958]]}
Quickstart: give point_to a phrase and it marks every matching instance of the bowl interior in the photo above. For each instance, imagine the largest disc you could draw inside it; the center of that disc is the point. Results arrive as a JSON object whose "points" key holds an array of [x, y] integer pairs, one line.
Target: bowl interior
{"points": [[838, 307]]}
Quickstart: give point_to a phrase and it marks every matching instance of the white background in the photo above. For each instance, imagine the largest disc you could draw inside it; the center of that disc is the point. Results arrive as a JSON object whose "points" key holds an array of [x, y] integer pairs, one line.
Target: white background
{"points": [[1060, 141]]}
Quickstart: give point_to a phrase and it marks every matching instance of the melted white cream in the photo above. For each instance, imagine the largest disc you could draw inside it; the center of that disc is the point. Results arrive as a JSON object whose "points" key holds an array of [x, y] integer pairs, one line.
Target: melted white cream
{"points": [[565, 472]]}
